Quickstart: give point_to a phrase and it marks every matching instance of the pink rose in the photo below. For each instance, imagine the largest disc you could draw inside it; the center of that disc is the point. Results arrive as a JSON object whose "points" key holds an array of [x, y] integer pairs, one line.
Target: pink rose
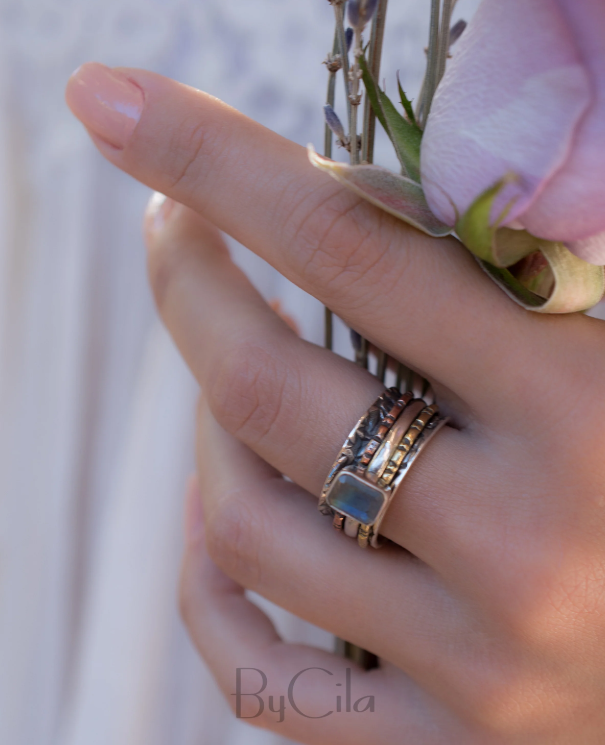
{"points": [[525, 94]]}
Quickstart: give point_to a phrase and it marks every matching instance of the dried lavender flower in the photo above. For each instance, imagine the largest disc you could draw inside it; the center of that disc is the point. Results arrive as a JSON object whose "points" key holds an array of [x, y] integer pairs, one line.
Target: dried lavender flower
{"points": [[333, 62], [349, 38], [335, 124], [360, 12], [456, 31]]}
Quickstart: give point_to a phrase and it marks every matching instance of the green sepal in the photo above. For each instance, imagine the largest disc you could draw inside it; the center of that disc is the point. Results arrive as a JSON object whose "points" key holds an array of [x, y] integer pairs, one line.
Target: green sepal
{"points": [[398, 195], [572, 284], [406, 103], [499, 246], [405, 135]]}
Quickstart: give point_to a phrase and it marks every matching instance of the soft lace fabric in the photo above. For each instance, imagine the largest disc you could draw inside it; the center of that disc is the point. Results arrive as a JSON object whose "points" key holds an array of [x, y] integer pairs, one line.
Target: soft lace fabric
{"points": [[96, 407]]}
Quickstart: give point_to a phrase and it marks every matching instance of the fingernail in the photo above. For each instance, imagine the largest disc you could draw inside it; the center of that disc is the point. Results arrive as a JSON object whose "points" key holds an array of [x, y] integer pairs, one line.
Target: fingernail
{"points": [[194, 512], [106, 102], [157, 213]]}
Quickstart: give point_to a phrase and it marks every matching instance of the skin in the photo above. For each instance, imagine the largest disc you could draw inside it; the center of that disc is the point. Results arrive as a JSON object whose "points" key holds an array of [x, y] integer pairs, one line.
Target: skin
{"points": [[488, 608]]}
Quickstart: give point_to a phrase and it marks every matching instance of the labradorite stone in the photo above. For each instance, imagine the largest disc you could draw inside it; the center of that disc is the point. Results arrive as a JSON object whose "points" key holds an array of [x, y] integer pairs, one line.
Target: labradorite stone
{"points": [[356, 498]]}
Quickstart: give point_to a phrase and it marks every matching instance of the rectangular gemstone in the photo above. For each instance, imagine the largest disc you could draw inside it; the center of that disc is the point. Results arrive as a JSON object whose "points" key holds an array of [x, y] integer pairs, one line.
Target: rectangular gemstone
{"points": [[356, 497]]}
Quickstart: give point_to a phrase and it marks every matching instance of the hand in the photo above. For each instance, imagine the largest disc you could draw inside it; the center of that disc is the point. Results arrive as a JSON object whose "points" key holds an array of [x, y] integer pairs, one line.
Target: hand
{"points": [[488, 609]]}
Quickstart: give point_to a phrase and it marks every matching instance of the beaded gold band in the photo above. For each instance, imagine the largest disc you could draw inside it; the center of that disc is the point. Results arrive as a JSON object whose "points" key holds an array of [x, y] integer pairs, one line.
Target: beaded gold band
{"points": [[406, 444], [374, 460]]}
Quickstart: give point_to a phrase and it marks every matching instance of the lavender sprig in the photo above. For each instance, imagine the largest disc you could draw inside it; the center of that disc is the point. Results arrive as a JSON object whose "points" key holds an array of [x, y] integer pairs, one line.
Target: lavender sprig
{"points": [[360, 13], [335, 125], [343, 47]]}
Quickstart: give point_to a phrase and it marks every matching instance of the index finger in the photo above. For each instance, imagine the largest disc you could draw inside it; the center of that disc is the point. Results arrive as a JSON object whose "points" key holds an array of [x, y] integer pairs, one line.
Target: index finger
{"points": [[422, 300]]}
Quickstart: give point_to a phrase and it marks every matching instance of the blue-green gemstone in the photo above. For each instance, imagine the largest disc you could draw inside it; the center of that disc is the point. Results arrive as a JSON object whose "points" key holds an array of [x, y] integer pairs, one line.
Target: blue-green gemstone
{"points": [[356, 498]]}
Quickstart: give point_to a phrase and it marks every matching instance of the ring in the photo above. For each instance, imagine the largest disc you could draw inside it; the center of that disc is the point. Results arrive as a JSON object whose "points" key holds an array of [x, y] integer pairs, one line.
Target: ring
{"points": [[360, 435], [375, 458]]}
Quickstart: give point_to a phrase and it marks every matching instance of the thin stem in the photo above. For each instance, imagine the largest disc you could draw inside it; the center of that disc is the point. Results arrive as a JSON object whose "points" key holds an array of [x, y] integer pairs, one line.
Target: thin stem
{"points": [[444, 38], [429, 85], [328, 141], [400, 374], [369, 126], [330, 96], [339, 15], [328, 329], [355, 97], [374, 59], [381, 370], [361, 354], [362, 657]]}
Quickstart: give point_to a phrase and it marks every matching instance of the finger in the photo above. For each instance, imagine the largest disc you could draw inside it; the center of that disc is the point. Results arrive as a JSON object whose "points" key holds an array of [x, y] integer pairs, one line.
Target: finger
{"points": [[265, 537], [294, 403], [314, 694], [415, 297]]}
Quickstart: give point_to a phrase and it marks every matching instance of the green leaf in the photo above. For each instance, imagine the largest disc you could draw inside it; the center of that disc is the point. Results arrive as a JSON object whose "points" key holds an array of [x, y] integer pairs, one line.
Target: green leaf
{"points": [[405, 135], [571, 284], [512, 287], [499, 246], [398, 195], [372, 92], [406, 103]]}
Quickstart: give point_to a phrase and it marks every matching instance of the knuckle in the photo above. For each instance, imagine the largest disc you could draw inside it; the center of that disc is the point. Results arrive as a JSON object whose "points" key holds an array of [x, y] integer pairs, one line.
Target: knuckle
{"points": [[249, 388], [560, 604], [506, 693], [234, 536], [192, 138], [505, 703], [337, 239]]}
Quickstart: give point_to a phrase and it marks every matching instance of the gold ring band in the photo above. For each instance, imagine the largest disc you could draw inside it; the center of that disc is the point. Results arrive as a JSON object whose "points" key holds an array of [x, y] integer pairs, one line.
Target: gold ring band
{"points": [[380, 461], [431, 429], [375, 443], [406, 444]]}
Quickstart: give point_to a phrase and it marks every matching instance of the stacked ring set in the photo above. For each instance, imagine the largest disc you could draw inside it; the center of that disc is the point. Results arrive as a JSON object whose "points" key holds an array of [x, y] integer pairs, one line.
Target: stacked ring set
{"points": [[374, 460]]}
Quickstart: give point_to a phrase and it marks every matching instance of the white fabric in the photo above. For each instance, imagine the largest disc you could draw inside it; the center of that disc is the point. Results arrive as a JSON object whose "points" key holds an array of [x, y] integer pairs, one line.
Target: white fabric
{"points": [[96, 407]]}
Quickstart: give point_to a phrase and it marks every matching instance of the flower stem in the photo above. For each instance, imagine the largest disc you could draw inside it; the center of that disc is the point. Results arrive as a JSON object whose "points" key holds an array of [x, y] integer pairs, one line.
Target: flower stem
{"points": [[429, 85], [339, 15], [328, 141], [444, 39], [355, 97], [374, 59], [331, 93]]}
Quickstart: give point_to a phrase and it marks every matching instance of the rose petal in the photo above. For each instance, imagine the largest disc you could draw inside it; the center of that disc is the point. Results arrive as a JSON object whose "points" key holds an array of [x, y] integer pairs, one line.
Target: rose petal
{"points": [[590, 249], [572, 205], [510, 101]]}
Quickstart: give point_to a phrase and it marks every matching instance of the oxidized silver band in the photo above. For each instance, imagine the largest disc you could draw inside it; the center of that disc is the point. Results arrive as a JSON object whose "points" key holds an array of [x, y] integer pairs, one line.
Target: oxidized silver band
{"points": [[374, 460], [361, 434]]}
